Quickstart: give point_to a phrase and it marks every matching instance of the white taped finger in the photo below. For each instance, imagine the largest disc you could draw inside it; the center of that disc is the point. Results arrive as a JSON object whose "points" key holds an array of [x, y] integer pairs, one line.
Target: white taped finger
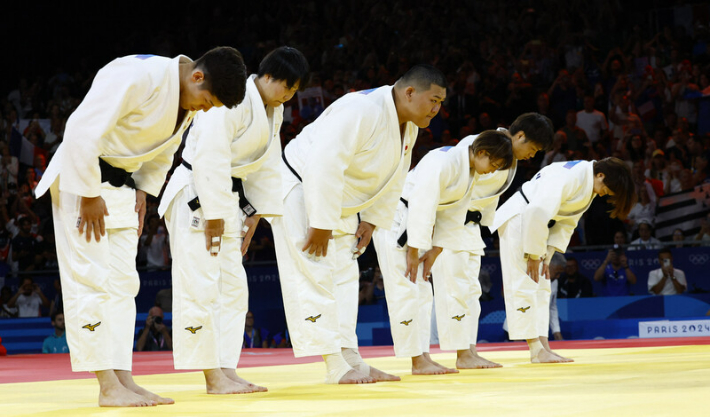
{"points": [[216, 240], [214, 250], [245, 228]]}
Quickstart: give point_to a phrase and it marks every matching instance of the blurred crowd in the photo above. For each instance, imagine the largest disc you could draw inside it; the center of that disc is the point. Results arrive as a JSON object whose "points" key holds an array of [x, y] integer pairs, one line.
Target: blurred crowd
{"points": [[625, 79]]}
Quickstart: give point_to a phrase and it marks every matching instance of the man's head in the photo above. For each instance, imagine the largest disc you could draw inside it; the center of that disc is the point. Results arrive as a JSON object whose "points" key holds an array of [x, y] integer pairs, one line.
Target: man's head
{"points": [[419, 94], [619, 238], [589, 103], [249, 319], [58, 320], [665, 257], [530, 133], [27, 286], [25, 225], [571, 267], [217, 78], [612, 177], [557, 265], [645, 231], [571, 118], [284, 71], [155, 311]]}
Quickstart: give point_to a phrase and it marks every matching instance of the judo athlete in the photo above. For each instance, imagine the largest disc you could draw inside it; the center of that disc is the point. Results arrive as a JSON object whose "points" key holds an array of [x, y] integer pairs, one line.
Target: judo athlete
{"points": [[343, 175], [440, 185], [118, 146], [455, 274], [538, 221], [231, 165]]}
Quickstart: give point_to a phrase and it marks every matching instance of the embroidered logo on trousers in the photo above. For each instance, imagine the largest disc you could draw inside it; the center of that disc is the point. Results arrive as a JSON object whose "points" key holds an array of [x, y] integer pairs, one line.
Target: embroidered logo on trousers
{"points": [[406, 322], [313, 319], [90, 326], [458, 318], [193, 330], [524, 309]]}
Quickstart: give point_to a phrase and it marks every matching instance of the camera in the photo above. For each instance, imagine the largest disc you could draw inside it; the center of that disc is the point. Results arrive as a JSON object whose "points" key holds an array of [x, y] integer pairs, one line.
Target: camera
{"points": [[666, 262], [617, 249], [158, 320]]}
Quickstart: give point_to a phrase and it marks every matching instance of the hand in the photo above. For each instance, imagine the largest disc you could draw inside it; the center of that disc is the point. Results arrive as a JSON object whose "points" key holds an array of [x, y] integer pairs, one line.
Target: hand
{"points": [[608, 256], [533, 269], [252, 223], [557, 336], [214, 228], [364, 234], [428, 260], [140, 209], [149, 321], [160, 327], [91, 212], [412, 264], [36, 288], [317, 241], [546, 271]]}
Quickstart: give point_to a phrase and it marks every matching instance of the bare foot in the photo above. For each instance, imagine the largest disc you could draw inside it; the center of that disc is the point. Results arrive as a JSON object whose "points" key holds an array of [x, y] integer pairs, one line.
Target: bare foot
{"points": [[421, 366], [218, 383], [356, 377], [120, 396], [565, 360], [545, 356], [232, 374], [432, 361], [380, 376], [466, 359], [127, 381]]}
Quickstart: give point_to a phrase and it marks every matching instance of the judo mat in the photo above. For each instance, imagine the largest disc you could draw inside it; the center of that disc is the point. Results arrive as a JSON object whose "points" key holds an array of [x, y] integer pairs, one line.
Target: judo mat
{"points": [[637, 377]]}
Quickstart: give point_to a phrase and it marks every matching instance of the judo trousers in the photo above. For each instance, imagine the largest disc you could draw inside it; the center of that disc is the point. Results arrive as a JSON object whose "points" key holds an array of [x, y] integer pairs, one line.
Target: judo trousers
{"points": [[457, 292], [210, 294], [320, 294], [527, 303], [409, 303], [99, 286]]}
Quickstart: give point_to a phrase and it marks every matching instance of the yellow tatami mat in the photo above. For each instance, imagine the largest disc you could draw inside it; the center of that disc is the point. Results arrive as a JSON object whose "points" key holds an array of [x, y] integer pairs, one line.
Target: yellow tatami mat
{"points": [[651, 381]]}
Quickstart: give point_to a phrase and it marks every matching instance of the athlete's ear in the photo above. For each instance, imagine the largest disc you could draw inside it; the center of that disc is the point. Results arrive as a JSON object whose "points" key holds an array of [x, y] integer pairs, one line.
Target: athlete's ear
{"points": [[197, 76]]}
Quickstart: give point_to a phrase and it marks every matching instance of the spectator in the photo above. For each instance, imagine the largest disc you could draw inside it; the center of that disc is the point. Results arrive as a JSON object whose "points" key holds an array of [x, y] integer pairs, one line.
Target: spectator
{"points": [[659, 171], [666, 280], [153, 244], [572, 284], [704, 233], [577, 141], [254, 338], [645, 239], [678, 236], [592, 121], [281, 340], [642, 212], [29, 299], [27, 247], [164, 299], [5, 310], [57, 342], [614, 273], [155, 335], [557, 265], [556, 154]]}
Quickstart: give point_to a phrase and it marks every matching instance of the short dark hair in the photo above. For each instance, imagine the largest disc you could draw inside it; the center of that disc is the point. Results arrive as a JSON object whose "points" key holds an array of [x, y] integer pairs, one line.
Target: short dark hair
{"points": [[664, 250], [536, 127], [55, 314], [422, 76], [225, 74], [617, 176], [286, 63], [497, 144]]}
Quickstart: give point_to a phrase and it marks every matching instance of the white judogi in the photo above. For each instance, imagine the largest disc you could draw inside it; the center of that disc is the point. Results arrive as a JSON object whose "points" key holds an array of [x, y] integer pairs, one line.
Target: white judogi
{"points": [[561, 191], [352, 159], [455, 272], [129, 119], [209, 292], [440, 186]]}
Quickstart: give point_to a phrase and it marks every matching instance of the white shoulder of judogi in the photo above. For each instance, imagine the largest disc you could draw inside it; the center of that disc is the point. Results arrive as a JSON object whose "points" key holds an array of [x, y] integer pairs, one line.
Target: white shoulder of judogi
{"points": [[439, 187], [561, 191], [137, 95]]}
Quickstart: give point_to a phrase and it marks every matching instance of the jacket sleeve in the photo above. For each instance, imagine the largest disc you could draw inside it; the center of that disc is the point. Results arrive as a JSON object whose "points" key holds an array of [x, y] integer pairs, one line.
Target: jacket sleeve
{"points": [[212, 161], [431, 177], [542, 207], [116, 91], [341, 136]]}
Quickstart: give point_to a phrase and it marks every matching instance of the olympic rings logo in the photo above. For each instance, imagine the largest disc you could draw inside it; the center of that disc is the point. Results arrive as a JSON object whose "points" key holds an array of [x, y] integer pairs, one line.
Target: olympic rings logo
{"points": [[591, 263], [699, 259], [490, 268]]}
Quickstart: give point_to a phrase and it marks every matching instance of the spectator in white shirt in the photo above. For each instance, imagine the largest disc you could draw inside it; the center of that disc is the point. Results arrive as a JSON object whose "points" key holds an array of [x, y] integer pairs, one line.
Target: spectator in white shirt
{"points": [[592, 121], [29, 299], [666, 280], [645, 240]]}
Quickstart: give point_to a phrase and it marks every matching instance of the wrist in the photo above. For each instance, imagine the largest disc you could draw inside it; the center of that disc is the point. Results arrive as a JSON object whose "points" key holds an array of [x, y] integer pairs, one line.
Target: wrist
{"points": [[528, 256]]}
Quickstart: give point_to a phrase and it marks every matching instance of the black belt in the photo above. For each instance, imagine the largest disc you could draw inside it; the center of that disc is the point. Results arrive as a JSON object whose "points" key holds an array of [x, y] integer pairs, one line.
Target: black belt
{"points": [[551, 222], [283, 156], [237, 187], [403, 238], [117, 177]]}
